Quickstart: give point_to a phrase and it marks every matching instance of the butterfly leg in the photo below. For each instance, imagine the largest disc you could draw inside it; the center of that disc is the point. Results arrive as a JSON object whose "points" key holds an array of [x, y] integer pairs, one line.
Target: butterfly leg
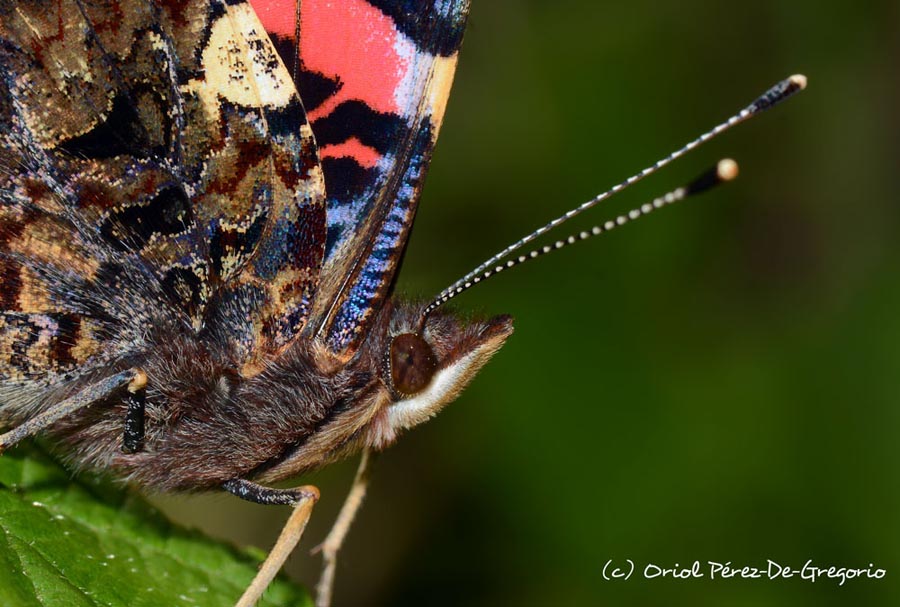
{"points": [[302, 499], [85, 397], [335, 539]]}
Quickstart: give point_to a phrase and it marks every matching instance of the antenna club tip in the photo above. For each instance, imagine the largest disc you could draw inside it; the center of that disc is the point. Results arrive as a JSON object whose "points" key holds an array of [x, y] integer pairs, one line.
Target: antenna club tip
{"points": [[727, 169], [798, 80]]}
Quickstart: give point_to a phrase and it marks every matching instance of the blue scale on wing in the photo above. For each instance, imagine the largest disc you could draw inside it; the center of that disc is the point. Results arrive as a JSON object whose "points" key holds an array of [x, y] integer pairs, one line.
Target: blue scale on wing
{"points": [[382, 259]]}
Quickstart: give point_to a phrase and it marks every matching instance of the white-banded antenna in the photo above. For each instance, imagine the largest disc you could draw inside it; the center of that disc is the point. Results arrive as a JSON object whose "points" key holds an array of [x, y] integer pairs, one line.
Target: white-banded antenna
{"points": [[724, 170], [775, 95]]}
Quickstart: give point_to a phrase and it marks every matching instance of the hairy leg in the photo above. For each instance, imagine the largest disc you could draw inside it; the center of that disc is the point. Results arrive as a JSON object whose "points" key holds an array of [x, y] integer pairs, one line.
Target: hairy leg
{"points": [[86, 397]]}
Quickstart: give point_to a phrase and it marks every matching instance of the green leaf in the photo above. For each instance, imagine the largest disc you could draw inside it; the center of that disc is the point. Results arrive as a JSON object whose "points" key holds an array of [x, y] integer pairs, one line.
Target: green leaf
{"points": [[84, 542]]}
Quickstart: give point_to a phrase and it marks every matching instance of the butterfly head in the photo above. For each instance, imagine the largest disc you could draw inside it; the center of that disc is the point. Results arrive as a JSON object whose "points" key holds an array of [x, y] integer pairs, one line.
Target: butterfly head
{"points": [[427, 361]]}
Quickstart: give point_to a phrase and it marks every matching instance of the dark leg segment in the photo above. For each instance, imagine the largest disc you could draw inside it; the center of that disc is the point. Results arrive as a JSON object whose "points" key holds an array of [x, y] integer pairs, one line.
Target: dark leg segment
{"points": [[133, 438], [253, 492]]}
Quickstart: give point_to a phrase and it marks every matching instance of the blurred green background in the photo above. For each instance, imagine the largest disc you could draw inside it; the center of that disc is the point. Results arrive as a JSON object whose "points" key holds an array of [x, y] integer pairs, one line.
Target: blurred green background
{"points": [[720, 381]]}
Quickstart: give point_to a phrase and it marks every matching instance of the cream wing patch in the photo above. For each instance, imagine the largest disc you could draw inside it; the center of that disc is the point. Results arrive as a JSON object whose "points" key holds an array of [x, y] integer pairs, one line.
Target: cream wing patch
{"points": [[241, 65], [443, 70]]}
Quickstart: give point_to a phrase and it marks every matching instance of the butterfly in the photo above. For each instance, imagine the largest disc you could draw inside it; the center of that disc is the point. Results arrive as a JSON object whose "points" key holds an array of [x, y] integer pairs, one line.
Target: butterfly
{"points": [[203, 208]]}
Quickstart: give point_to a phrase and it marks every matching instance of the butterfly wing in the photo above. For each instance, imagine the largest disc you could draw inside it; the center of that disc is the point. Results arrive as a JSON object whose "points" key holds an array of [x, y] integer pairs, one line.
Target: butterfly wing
{"points": [[156, 162], [375, 76]]}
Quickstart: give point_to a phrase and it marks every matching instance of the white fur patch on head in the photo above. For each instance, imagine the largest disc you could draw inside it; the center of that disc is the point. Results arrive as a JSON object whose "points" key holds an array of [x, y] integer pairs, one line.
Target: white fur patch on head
{"points": [[445, 386], [461, 354]]}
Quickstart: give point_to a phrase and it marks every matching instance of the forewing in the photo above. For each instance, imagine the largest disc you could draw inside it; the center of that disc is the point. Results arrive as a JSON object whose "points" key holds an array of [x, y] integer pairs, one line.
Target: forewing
{"points": [[375, 76], [155, 154]]}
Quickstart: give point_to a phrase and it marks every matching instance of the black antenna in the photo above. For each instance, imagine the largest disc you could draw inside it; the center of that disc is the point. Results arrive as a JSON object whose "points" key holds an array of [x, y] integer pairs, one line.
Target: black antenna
{"points": [[775, 95]]}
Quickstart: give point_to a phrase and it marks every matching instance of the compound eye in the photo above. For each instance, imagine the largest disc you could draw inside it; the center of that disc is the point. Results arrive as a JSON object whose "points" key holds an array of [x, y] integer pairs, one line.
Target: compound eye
{"points": [[413, 364]]}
